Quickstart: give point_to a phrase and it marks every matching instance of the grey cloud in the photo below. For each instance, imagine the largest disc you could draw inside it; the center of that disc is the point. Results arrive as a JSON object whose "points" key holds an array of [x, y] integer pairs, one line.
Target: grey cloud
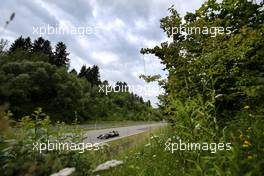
{"points": [[116, 41], [80, 10]]}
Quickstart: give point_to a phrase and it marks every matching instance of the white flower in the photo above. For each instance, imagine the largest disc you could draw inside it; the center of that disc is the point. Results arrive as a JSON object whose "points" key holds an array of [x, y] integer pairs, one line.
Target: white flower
{"points": [[107, 165], [64, 172]]}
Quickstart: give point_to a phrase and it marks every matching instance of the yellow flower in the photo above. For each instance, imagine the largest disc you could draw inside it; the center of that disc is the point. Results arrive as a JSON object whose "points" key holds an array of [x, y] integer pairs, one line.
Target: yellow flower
{"points": [[241, 136], [250, 157], [249, 129], [245, 145]]}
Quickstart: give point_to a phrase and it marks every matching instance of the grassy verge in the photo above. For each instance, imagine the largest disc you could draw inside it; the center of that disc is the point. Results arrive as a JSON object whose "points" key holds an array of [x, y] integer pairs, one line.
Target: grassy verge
{"points": [[142, 154], [18, 156], [151, 158], [119, 149]]}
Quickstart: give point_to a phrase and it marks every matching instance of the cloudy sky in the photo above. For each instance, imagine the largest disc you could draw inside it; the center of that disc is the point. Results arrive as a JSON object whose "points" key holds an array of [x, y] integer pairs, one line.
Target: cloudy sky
{"points": [[116, 30]]}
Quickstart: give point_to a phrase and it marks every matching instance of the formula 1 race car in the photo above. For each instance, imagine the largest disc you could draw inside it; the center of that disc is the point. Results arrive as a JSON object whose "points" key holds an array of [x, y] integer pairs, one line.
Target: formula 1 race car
{"points": [[108, 135]]}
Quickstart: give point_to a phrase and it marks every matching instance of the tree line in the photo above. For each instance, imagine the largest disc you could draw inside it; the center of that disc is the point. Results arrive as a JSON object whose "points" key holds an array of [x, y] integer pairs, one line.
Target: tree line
{"points": [[33, 74]]}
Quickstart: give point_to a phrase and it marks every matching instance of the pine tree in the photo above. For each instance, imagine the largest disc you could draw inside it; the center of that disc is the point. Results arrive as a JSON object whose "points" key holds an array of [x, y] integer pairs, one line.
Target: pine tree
{"points": [[73, 71], [82, 71], [91, 74], [23, 44], [61, 55], [42, 46], [95, 75], [27, 45]]}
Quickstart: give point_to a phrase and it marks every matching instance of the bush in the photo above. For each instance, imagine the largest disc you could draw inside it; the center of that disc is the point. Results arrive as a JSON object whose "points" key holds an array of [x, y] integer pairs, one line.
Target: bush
{"points": [[17, 154]]}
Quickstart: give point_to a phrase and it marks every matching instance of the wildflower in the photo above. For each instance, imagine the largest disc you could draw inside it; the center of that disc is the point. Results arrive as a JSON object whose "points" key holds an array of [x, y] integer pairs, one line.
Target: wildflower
{"points": [[244, 145], [107, 165], [241, 136], [246, 107], [64, 172], [247, 143], [250, 157], [154, 156], [249, 129]]}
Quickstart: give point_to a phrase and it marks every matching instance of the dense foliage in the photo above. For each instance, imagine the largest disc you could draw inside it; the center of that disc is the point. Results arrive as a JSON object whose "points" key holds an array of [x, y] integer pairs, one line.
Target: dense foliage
{"points": [[18, 155], [214, 90], [33, 75], [228, 66]]}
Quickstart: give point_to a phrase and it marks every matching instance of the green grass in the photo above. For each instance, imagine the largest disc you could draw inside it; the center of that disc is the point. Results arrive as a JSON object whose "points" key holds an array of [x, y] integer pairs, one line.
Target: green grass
{"points": [[142, 154], [17, 154], [133, 154], [122, 148]]}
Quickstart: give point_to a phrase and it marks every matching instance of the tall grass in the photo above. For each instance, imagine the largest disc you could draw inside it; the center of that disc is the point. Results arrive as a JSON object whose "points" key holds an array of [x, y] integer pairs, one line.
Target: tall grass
{"points": [[17, 154], [194, 122]]}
